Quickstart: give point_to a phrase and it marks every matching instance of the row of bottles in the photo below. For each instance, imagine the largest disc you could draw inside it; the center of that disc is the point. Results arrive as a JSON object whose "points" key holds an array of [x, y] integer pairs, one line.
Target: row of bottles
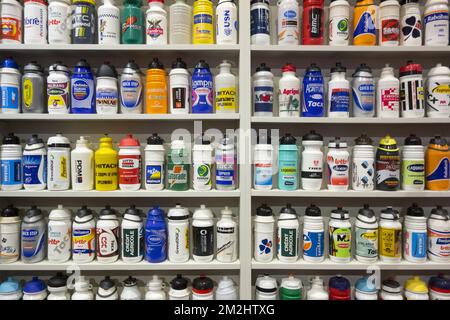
{"points": [[55, 167], [408, 96], [340, 288], [391, 23], [107, 238], [59, 287], [80, 22], [365, 238], [387, 168], [63, 91]]}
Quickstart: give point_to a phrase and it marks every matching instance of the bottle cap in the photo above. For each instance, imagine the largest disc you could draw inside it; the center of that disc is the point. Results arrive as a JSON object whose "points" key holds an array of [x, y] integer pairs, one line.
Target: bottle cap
{"points": [[107, 211], [390, 214], [131, 64], [264, 211], [106, 139], [154, 139], [155, 212], [413, 140], [179, 283], [365, 285], [202, 65], [203, 140], [388, 143], [203, 213], [130, 282], [107, 70], [9, 63], [82, 63], [339, 286], [58, 66], [410, 68], [391, 286], [11, 139], [438, 140], [313, 211], [362, 68], [178, 213], [58, 281], [288, 139], [337, 143], [416, 285], [84, 212], [340, 214], [288, 210], [202, 285], [338, 68], [34, 211], [10, 211], [34, 139], [363, 139], [179, 64], [263, 67], [366, 211], [226, 211], [10, 285], [156, 64], [132, 210], [107, 283], [35, 285], [266, 284], [289, 67], [33, 67], [129, 141], [312, 136], [441, 212], [313, 68], [415, 211], [264, 138], [155, 283], [439, 284]]}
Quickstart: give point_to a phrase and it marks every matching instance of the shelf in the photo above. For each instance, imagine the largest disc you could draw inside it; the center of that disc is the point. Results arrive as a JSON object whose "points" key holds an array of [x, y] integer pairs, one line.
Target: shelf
{"points": [[351, 194], [350, 49], [373, 121], [118, 117], [120, 194], [353, 265], [120, 265]]}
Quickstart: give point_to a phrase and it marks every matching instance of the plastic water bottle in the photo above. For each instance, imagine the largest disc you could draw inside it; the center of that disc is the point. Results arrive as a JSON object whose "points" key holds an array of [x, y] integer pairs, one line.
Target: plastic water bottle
{"points": [[106, 90], [263, 164], [202, 288], [225, 87], [415, 235], [413, 164], [107, 290], [178, 173], [363, 92], [338, 92], [59, 247], [178, 234], [132, 235], [365, 289], [130, 163], [130, 291], [11, 163], [260, 22], [289, 92], [388, 93], [179, 288], [339, 288], [412, 95], [83, 289], [365, 23], [83, 236], [363, 164], [439, 235], [59, 22], [317, 291], [264, 241], [389, 23], [226, 289], [226, 164], [437, 92], [313, 20], [131, 87], [34, 22], [33, 89], [339, 19], [155, 289], [10, 86], [391, 290], [108, 232], [82, 164], [202, 96], [155, 236], [338, 163], [84, 19], [266, 288], [313, 94], [202, 164], [436, 24], [203, 234], [312, 161], [313, 235], [227, 239], [34, 236], [263, 89], [180, 22], [34, 164], [10, 289], [11, 16], [340, 236], [366, 234], [288, 163], [35, 289], [58, 168], [179, 88], [203, 22], [58, 89], [288, 234], [106, 165], [390, 236], [156, 23], [154, 163], [416, 289], [226, 22], [288, 22], [108, 23], [133, 24], [82, 88], [410, 23], [10, 234], [291, 288], [388, 165]]}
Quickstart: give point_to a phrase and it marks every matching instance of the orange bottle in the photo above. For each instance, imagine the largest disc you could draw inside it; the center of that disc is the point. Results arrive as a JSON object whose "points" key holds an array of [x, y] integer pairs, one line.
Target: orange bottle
{"points": [[156, 88], [364, 23], [437, 165]]}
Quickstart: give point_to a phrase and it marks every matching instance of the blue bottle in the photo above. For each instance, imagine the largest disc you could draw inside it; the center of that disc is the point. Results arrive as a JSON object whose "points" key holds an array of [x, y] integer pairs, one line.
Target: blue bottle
{"points": [[313, 92], [288, 163], [82, 88], [155, 236], [202, 89]]}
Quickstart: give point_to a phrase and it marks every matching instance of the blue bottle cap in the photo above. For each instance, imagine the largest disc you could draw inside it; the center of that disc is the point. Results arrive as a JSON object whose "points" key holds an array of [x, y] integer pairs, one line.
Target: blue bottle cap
{"points": [[440, 284], [339, 283], [365, 285], [10, 285], [9, 63], [35, 285], [156, 211]]}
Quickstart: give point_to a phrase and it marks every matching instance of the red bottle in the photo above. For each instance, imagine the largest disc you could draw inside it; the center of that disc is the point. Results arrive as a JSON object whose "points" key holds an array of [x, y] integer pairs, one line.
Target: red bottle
{"points": [[313, 17]]}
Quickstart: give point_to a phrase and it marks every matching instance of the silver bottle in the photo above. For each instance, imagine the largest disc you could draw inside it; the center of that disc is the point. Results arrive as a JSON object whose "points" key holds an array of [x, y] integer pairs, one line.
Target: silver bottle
{"points": [[131, 89], [33, 86], [34, 236]]}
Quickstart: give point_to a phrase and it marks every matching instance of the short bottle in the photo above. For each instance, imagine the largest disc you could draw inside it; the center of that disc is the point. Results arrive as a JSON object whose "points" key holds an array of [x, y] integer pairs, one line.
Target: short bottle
{"points": [[179, 288], [225, 87], [317, 290], [156, 23], [83, 289], [340, 236], [266, 288], [291, 288], [288, 235], [366, 234], [108, 233], [155, 168], [82, 165], [202, 288], [130, 163], [391, 290], [107, 290], [203, 234], [155, 289]]}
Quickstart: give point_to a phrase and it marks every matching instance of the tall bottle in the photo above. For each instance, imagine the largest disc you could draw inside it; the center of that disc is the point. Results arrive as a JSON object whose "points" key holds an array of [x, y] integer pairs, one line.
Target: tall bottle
{"points": [[107, 90], [203, 234], [436, 23], [202, 90], [288, 22], [82, 165], [313, 235], [340, 236], [59, 22], [389, 23], [108, 23], [180, 23], [202, 164], [412, 95], [366, 234], [225, 89], [107, 235], [313, 94], [263, 237], [338, 25], [154, 168], [156, 23], [227, 237], [132, 235], [437, 164], [106, 166], [83, 236], [288, 234], [155, 236], [364, 23], [34, 236], [289, 92], [415, 235], [263, 160], [178, 235], [390, 236], [410, 23], [10, 86], [312, 161], [263, 89], [363, 92], [338, 159], [226, 22], [260, 22], [82, 87], [338, 92], [313, 20], [226, 164], [388, 94], [133, 24], [35, 20], [438, 92], [388, 165], [11, 163], [179, 88], [131, 88], [178, 166], [156, 88], [58, 168], [34, 164], [203, 22], [84, 22], [288, 163], [363, 164], [10, 234], [413, 164]]}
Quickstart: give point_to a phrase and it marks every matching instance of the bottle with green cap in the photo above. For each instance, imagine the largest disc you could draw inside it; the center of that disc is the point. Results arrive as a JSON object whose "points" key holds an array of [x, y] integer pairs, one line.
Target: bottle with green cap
{"points": [[388, 165], [340, 236], [413, 164], [291, 288], [366, 234], [288, 234], [132, 22]]}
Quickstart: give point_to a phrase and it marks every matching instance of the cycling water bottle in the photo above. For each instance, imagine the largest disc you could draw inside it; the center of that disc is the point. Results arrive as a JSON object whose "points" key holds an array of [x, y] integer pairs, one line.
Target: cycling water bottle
{"points": [[155, 236]]}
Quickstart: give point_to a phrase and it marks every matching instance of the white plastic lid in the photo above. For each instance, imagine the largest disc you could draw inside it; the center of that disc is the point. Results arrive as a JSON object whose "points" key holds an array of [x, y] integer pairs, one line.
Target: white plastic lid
{"points": [[203, 213], [82, 284], [178, 213], [439, 70], [83, 140], [225, 284], [58, 139], [339, 3], [291, 283], [267, 283], [60, 213], [317, 281], [177, 144], [226, 212], [156, 284]]}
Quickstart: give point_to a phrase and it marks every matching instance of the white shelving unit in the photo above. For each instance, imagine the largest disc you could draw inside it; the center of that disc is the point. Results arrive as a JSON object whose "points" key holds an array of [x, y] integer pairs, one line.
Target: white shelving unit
{"points": [[245, 200]]}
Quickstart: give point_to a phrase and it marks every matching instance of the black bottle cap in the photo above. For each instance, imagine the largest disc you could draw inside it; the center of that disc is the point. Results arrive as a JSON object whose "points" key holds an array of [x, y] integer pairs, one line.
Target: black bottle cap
{"points": [[263, 67], [312, 136], [34, 211], [440, 211], [130, 282], [340, 211], [338, 68], [415, 211], [413, 140], [34, 139], [392, 286], [403, 2], [58, 281], [132, 65], [154, 139], [313, 211], [179, 283], [363, 139], [107, 283], [202, 283], [391, 211], [264, 211], [288, 139], [107, 70], [132, 210], [313, 67], [11, 139], [10, 211], [438, 140], [288, 209], [179, 64], [156, 64], [84, 212], [107, 211], [202, 64], [363, 67], [366, 211], [82, 64]]}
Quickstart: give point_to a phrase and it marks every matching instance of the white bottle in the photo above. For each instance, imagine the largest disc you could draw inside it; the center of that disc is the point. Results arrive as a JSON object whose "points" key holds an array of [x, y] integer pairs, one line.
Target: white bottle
{"points": [[11, 163], [82, 165], [413, 164], [130, 160], [58, 168], [438, 92], [391, 290], [83, 236], [34, 164], [59, 22], [227, 239], [288, 22], [155, 289], [180, 22], [412, 95], [263, 89], [178, 234], [415, 235], [154, 163], [35, 22], [266, 288], [292, 285], [263, 164], [156, 23], [411, 22], [340, 236], [366, 235], [11, 16], [226, 289], [338, 91], [179, 289], [179, 90], [289, 92], [108, 23], [390, 236], [312, 161], [57, 288], [10, 85], [436, 24], [130, 290], [83, 289], [225, 89], [226, 164], [389, 23], [363, 170], [59, 247], [260, 22], [132, 236], [106, 90], [107, 290], [107, 236], [288, 235], [388, 93], [339, 20], [226, 22], [203, 234], [338, 162], [438, 234], [317, 291], [58, 89], [202, 165], [131, 89], [313, 235], [10, 235], [263, 237]]}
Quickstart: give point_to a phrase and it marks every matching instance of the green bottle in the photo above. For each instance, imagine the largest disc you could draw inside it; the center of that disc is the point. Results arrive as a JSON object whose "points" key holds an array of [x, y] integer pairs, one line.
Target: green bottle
{"points": [[291, 288], [132, 22], [178, 166]]}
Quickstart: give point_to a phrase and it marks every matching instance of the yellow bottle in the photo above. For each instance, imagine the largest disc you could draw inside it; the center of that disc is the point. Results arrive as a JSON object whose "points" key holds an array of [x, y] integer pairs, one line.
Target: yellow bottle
{"points": [[156, 88], [203, 22], [364, 23], [106, 166]]}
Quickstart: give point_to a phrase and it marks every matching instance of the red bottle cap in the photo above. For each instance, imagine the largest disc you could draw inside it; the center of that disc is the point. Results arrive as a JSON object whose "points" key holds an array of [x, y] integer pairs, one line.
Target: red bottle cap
{"points": [[289, 67], [411, 68], [129, 141]]}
